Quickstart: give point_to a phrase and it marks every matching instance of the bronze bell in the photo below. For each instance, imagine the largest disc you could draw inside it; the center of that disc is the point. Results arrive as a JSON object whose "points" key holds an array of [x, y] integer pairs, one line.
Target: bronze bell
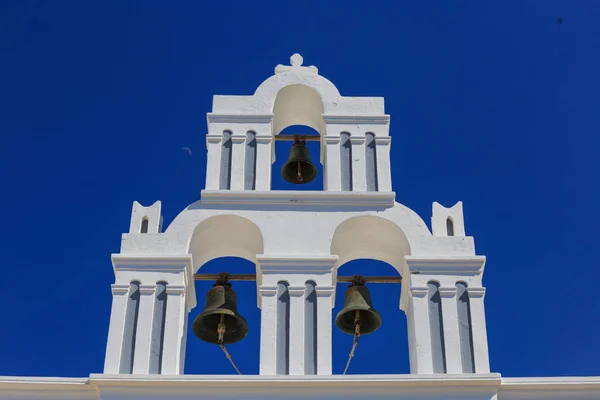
{"points": [[358, 309], [298, 168], [220, 323]]}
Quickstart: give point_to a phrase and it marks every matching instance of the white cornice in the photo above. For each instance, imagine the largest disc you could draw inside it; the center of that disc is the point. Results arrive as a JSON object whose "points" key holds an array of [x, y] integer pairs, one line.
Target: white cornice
{"points": [[357, 119], [239, 118], [229, 386], [159, 262], [298, 198], [292, 263], [148, 260], [446, 265]]}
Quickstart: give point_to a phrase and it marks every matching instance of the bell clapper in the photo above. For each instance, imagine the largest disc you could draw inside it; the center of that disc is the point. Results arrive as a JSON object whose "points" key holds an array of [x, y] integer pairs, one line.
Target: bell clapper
{"points": [[299, 178]]}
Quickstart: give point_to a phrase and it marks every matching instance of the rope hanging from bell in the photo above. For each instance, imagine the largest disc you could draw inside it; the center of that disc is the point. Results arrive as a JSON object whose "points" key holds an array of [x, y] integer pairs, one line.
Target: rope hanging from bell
{"points": [[358, 317], [357, 280]]}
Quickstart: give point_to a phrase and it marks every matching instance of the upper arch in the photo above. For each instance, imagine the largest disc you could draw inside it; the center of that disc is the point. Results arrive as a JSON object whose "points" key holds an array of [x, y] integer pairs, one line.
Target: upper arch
{"points": [[368, 236], [225, 236]]}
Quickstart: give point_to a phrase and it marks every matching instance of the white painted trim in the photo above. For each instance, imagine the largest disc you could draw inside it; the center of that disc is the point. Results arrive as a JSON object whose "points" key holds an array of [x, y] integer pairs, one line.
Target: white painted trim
{"points": [[337, 200], [341, 381], [302, 264], [239, 118], [356, 119], [446, 264], [201, 386]]}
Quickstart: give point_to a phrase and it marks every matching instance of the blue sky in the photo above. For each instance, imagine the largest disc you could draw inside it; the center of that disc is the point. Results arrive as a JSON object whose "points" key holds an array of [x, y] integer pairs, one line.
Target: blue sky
{"points": [[491, 103]]}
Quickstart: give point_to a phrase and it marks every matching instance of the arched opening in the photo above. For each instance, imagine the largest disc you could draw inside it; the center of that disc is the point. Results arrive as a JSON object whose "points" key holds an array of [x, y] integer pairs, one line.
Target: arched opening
{"points": [[144, 227], [208, 358], [297, 109], [132, 309], [346, 161], [449, 227], [370, 237], [158, 328], [370, 245], [250, 167], [465, 328], [384, 351], [436, 325], [226, 243], [371, 163], [226, 155], [310, 329], [225, 236]]}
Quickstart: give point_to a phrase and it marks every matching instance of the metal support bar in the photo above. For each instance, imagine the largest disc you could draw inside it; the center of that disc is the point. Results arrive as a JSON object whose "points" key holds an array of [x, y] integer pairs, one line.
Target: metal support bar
{"points": [[291, 138], [340, 279]]}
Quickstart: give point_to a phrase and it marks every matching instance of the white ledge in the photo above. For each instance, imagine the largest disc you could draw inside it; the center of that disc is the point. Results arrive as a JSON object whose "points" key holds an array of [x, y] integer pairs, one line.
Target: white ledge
{"points": [[551, 383], [446, 265], [298, 198], [357, 119], [408, 380], [239, 118]]}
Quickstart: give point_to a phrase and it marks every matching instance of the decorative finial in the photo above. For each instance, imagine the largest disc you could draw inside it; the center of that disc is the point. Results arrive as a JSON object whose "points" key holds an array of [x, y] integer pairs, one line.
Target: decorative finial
{"points": [[296, 61]]}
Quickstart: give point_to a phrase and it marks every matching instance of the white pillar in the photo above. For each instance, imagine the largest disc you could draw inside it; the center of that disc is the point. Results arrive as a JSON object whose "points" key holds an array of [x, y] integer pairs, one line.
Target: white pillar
{"points": [[382, 152], [420, 337], [359, 169], [173, 353], [114, 344], [451, 333], [141, 356], [213, 160], [238, 161], [332, 167], [478, 328], [296, 359], [264, 161], [268, 330], [324, 328]]}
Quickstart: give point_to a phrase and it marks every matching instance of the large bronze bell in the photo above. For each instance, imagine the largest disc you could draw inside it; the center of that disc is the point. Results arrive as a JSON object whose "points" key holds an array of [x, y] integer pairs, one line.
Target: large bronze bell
{"points": [[298, 168], [358, 309], [220, 323]]}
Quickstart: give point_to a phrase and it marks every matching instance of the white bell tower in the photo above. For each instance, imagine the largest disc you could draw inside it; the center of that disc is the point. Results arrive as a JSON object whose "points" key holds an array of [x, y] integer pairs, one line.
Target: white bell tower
{"points": [[354, 217]]}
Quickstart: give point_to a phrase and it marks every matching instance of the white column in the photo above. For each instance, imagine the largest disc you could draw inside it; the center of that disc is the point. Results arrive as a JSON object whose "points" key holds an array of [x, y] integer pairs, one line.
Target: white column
{"points": [[296, 359], [384, 175], [451, 333], [332, 167], [173, 353], [264, 162], [420, 339], [213, 161], [478, 327], [268, 330], [114, 345], [141, 356], [324, 328], [359, 169], [238, 161]]}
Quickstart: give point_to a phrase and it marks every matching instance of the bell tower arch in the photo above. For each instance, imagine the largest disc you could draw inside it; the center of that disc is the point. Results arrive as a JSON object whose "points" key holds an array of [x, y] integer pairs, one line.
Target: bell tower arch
{"points": [[297, 240], [298, 95]]}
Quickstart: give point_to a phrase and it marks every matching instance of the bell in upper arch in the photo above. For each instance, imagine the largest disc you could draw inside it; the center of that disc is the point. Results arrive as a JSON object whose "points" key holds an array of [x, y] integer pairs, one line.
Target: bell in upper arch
{"points": [[220, 322], [298, 169], [358, 309]]}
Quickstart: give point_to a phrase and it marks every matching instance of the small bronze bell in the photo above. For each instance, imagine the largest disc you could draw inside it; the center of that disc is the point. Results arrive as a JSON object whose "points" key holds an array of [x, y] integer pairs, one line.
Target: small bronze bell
{"points": [[220, 323], [358, 309], [298, 168]]}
